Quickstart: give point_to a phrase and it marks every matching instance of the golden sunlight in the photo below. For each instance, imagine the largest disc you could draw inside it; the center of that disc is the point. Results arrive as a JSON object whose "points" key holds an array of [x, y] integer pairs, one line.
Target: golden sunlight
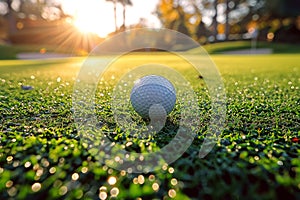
{"points": [[92, 16]]}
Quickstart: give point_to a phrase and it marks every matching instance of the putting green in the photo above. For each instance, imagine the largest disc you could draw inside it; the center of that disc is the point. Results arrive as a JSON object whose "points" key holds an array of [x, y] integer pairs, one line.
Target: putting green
{"points": [[257, 155]]}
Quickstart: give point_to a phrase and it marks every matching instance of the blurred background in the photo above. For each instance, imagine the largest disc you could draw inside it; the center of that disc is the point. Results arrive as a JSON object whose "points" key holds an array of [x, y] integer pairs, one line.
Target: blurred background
{"points": [[77, 26]]}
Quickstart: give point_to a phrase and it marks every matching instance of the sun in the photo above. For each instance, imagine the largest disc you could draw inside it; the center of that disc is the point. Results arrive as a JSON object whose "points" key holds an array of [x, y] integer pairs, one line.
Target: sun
{"points": [[91, 16]]}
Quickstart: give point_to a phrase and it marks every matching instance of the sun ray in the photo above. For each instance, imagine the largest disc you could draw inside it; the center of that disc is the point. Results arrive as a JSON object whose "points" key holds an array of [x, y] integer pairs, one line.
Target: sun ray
{"points": [[64, 36], [92, 16]]}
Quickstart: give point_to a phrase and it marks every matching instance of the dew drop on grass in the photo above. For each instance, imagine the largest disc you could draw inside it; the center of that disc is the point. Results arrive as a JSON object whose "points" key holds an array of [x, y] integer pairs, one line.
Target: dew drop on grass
{"points": [[117, 158], [141, 179], [165, 167], [174, 181], [151, 177], [172, 193], [9, 158], [129, 170], [141, 158], [61, 160], [102, 195], [36, 187], [75, 176], [84, 170], [155, 187], [105, 168], [135, 181], [270, 155], [112, 180], [127, 145], [9, 184], [110, 171], [16, 163], [12, 191], [27, 164], [45, 162], [63, 190], [52, 170], [114, 192], [102, 188], [171, 170], [39, 172], [279, 162], [123, 173]]}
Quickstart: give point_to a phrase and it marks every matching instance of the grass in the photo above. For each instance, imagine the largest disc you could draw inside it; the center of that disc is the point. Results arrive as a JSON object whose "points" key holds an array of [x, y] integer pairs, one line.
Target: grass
{"points": [[278, 48], [256, 157], [9, 52]]}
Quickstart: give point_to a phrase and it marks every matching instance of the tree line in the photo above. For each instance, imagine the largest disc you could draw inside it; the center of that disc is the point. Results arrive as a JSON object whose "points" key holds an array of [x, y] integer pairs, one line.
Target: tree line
{"points": [[203, 20], [212, 20]]}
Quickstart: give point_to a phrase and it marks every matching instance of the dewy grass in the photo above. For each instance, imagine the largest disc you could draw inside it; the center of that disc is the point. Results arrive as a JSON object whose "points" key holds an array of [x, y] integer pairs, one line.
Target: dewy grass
{"points": [[42, 155]]}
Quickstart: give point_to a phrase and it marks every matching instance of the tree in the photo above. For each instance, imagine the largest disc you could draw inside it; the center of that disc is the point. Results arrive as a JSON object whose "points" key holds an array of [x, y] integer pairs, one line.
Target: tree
{"points": [[282, 8], [266, 15], [284, 17], [24, 13], [225, 14], [215, 19], [115, 12], [47, 10], [226, 17], [124, 4], [11, 18], [179, 15], [39, 8]]}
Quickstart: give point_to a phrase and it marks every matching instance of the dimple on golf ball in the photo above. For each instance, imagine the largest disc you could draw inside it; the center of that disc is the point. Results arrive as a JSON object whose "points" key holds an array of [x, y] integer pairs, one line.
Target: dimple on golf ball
{"points": [[153, 96]]}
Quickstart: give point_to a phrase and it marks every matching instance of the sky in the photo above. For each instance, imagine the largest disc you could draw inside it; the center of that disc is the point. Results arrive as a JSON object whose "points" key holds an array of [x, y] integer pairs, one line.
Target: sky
{"points": [[97, 15]]}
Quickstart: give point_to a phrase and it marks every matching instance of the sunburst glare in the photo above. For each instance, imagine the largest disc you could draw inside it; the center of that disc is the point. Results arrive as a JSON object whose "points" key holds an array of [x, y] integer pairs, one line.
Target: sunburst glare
{"points": [[91, 16]]}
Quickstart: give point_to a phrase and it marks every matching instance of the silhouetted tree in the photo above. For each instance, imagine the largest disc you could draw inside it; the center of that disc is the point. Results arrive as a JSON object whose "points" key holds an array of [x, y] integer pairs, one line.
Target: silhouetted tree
{"points": [[115, 12], [282, 8], [47, 10], [11, 18], [124, 3]]}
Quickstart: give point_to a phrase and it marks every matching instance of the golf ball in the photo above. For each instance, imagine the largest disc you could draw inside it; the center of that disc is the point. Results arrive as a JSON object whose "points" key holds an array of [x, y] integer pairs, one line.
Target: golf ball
{"points": [[153, 95]]}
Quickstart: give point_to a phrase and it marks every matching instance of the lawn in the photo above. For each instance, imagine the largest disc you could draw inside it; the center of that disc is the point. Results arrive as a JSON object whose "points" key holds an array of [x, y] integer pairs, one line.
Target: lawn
{"points": [[11, 51], [278, 48], [257, 156]]}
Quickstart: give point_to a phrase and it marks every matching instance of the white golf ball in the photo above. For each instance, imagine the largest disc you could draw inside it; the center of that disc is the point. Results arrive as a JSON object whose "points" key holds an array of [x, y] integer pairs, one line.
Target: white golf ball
{"points": [[153, 96]]}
